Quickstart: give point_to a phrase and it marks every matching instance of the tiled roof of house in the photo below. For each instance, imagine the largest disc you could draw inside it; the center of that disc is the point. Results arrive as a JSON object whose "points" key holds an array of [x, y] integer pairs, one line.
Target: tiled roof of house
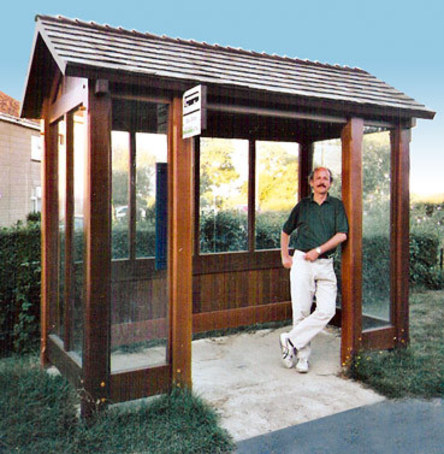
{"points": [[9, 105], [76, 44]]}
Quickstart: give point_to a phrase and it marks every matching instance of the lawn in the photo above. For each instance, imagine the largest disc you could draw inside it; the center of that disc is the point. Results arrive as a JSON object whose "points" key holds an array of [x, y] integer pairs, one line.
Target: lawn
{"points": [[39, 414], [418, 370]]}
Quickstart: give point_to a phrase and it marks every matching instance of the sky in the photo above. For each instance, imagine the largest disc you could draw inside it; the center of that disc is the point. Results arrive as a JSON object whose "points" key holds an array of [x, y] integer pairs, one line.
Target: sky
{"points": [[399, 41]]}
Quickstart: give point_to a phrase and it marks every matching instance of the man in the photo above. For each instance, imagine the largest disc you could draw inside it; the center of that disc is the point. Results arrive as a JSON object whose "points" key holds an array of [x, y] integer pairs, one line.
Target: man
{"points": [[321, 225]]}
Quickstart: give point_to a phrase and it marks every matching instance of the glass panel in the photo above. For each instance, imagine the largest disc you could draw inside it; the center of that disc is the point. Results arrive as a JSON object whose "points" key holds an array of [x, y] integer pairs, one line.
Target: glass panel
{"points": [[223, 195], [328, 153], [120, 143], [62, 224], [151, 150], [139, 306], [78, 239], [277, 187], [376, 228]]}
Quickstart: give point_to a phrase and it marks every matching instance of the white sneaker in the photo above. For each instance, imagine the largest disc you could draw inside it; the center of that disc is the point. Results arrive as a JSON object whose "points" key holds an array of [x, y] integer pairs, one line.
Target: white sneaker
{"points": [[288, 351], [302, 366]]}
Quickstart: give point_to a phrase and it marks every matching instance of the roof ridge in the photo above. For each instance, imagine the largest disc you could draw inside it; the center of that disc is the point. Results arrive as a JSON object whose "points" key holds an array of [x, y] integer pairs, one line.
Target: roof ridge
{"points": [[193, 42]]}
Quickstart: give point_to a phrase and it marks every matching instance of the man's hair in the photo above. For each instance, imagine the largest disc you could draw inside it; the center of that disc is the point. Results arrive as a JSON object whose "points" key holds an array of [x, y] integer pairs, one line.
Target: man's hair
{"points": [[312, 173]]}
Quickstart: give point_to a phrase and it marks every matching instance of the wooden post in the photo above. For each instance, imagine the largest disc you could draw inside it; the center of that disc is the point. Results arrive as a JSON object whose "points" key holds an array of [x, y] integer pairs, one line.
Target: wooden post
{"points": [[305, 167], [69, 232], [96, 338], [251, 195], [180, 247], [352, 254], [50, 233], [400, 206]]}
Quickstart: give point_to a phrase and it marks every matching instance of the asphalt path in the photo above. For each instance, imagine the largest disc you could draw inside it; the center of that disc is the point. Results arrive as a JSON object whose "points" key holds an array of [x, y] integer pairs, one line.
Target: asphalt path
{"points": [[409, 426]]}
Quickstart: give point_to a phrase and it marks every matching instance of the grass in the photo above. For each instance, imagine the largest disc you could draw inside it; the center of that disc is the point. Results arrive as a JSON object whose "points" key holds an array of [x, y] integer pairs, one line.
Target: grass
{"points": [[38, 414], [418, 370]]}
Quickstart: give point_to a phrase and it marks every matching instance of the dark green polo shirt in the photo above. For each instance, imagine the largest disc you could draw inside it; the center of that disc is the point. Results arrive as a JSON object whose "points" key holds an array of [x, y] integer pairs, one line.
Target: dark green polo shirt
{"points": [[315, 224]]}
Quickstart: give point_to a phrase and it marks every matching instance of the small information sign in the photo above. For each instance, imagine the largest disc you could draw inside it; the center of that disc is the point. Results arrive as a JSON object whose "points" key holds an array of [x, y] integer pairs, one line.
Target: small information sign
{"points": [[194, 111]]}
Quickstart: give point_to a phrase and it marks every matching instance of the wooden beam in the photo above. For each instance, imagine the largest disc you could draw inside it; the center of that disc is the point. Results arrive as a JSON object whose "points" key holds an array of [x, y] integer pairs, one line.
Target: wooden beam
{"points": [[400, 208], [69, 232], [275, 113], [138, 383], [73, 95], [379, 338], [305, 166], [180, 161], [251, 195], [50, 232], [245, 316], [96, 349], [352, 252], [196, 239], [132, 200], [68, 363]]}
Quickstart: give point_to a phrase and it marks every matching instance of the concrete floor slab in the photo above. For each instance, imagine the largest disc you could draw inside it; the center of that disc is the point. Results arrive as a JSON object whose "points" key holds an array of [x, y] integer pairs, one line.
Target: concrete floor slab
{"points": [[242, 377]]}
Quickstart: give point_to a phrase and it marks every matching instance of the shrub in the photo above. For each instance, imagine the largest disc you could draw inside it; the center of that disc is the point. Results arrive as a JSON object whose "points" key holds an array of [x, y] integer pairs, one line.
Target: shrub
{"points": [[19, 286]]}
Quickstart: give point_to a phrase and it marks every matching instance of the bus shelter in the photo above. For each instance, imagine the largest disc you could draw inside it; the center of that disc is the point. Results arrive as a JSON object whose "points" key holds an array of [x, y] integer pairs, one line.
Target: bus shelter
{"points": [[149, 236]]}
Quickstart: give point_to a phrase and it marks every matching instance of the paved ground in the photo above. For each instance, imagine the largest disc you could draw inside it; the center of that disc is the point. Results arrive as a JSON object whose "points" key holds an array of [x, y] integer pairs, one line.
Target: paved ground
{"points": [[389, 427], [242, 377]]}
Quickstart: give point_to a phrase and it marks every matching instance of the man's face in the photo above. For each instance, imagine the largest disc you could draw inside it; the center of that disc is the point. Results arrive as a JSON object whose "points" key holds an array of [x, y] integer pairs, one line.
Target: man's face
{"points": [[321, 182]]}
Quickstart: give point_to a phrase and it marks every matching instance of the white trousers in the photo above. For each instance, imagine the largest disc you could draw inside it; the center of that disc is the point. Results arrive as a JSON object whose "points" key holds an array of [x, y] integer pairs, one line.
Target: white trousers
{"points": [[309, 280]]}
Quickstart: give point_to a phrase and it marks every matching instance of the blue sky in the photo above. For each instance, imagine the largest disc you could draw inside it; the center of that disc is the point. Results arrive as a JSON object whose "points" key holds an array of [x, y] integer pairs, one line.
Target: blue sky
{"points": [[398, 41]]}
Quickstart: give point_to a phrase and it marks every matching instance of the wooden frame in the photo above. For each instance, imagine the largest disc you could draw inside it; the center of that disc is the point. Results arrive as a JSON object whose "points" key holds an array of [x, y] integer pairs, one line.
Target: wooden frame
{"points": [[180, 247], [400, 139], [352, 254], [267, 298], [96, 345]]}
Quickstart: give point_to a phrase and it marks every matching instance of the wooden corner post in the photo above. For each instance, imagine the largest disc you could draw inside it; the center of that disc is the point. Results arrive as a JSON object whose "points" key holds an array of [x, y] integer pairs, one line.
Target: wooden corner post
{"points": [[400, 142], [50, 234], [352, 135], [180, 161], [306, 151], [96, 336]]}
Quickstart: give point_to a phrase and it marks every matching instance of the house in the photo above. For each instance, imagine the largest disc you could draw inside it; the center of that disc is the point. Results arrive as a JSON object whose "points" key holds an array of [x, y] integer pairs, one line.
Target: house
{"points": [[112, 102], [20, 163]]}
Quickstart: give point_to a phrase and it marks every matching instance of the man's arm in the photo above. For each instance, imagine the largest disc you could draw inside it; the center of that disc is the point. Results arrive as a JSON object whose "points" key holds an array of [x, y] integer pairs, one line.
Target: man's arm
{"points": [[287, 259], [333, 242]]}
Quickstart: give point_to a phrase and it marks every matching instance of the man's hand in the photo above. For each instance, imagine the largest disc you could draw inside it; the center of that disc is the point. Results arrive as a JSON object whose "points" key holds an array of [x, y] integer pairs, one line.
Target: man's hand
{"points": [[287, 262], [311, 255]]}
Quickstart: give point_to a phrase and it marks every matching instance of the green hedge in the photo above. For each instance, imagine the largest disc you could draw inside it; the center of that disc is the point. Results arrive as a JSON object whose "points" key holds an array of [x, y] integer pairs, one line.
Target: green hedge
{"points": [[19, 287], [20, 266]]}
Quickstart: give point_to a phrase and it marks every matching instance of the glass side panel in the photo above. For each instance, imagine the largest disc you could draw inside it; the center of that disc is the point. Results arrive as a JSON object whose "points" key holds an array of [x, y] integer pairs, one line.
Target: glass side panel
{"points": [[328, 153], [277, 187], [151, 151], [139, 286], [376, 228], [78, 252], [62, 225], [120, 144], [223, 195]]}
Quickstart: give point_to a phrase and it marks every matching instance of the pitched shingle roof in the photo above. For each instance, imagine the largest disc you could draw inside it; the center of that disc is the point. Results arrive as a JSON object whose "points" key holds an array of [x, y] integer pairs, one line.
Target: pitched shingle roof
{"points": [[78, 45]]}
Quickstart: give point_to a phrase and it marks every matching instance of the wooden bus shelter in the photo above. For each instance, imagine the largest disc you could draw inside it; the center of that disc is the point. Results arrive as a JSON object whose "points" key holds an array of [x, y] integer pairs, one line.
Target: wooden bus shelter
{"points": [[95, 87]]}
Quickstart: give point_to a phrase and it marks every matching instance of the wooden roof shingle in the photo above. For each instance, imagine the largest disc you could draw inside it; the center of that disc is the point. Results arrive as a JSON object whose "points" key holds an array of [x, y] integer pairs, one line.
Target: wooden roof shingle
{"points": [[80, 47]]}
